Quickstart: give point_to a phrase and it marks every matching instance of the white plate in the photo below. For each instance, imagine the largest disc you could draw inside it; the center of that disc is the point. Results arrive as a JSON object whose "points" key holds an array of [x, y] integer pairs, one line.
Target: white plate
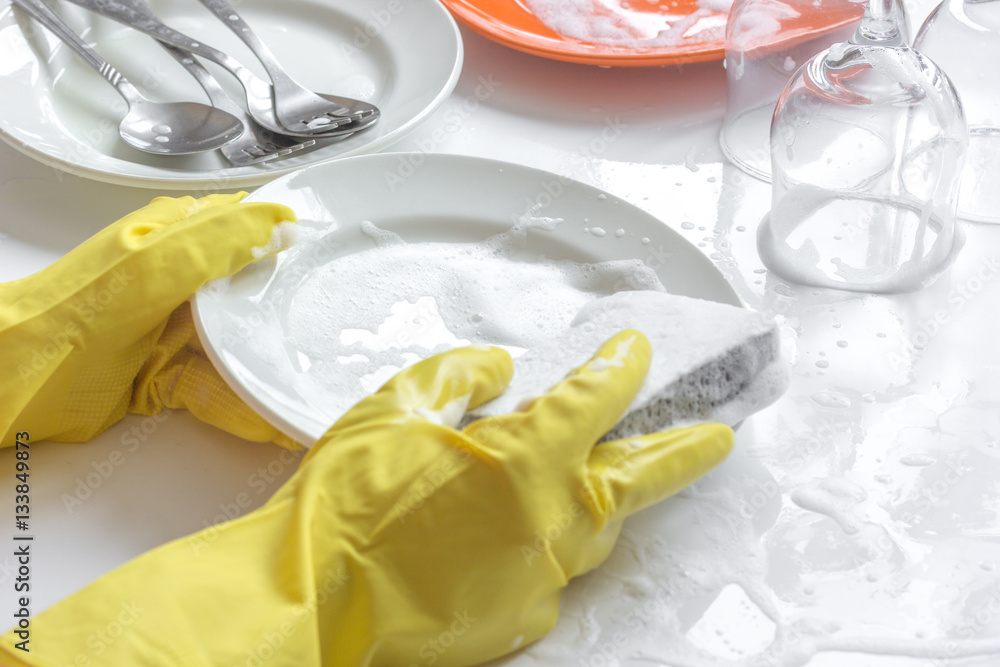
{"points": [[403, 55], [421, 198]]}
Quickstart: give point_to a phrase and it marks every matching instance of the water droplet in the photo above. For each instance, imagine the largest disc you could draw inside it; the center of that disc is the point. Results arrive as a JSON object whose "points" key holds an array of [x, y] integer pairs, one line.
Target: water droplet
{"points": [[916, 460], [831, 399], [162, 129], [162, 139], [822, 363], [619, 233], [687, 225], [880, 335], [871, 577], [602, 196], [195, 44], [478, 317], [986, 566], [758, 271], [883, 479], [841, 343], [741, 228], [783, 290], [645, 240], [234, 17]]}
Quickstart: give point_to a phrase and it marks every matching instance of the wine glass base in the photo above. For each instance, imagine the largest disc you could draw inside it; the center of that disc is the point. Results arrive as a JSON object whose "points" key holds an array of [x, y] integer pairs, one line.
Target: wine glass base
{"points": [[856, 244]]}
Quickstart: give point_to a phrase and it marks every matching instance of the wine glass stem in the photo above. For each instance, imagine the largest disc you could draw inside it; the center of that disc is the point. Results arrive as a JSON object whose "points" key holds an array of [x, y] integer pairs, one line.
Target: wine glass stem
{"points": [[879, 25]]}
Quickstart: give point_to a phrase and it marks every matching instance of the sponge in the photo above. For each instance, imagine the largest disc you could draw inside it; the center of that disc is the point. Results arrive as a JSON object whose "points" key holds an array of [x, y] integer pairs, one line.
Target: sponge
{"points": [[711, 361]]}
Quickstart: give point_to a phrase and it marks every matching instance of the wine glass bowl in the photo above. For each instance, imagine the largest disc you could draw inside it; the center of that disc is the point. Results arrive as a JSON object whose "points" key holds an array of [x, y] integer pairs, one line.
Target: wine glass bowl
{"points": [[963, 38], [867, 143], [766, 42]]}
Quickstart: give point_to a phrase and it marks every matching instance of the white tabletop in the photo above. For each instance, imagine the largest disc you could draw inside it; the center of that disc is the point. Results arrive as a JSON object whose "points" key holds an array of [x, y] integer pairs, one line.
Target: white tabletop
{"points": [[856, 522]]}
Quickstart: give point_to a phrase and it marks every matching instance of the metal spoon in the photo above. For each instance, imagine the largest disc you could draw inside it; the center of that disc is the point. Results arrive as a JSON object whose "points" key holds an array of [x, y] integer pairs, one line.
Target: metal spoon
{"points": [[165, 128], [259, 93]]}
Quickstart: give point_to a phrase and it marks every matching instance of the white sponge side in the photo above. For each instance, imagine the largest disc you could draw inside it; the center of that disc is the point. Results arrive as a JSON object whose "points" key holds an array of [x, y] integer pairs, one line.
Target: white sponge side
{"points": [[711, 361]]}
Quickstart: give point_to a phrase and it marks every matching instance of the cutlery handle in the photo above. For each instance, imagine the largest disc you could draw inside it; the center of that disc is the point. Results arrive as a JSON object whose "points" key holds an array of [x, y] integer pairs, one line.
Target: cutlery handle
{"points": [[41, 13], [216, 94], [139, 15], [227, 14]]}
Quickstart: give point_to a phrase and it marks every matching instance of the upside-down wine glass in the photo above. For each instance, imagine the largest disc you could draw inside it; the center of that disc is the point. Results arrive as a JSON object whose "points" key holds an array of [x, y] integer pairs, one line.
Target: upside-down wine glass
{"points": [[766, 42], [867, 144], [963, 38]]}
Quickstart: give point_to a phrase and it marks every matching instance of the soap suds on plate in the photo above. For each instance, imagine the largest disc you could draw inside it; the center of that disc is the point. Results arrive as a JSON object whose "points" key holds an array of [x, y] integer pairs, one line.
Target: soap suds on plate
{"points": [[635, 25], [345, 326]]}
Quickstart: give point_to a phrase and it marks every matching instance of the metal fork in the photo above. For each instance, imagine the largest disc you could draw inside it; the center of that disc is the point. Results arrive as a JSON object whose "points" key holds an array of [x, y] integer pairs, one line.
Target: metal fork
{"points": [[256, 144], [259, 93], [295, 107]]}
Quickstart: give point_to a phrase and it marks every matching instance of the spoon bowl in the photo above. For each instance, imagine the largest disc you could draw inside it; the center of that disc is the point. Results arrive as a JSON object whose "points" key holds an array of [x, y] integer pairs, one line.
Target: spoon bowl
{"points": [[164, 128], [177, 128]]}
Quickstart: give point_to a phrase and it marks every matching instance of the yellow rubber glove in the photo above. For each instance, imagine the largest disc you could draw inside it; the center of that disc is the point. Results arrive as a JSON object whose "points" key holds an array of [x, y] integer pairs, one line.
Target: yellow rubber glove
{"points": [[400, 540], [106, 329]]}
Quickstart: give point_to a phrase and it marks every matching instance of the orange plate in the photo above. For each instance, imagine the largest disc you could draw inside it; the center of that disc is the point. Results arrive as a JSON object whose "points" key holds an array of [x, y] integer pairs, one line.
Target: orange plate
{"points": [[509, 22]]}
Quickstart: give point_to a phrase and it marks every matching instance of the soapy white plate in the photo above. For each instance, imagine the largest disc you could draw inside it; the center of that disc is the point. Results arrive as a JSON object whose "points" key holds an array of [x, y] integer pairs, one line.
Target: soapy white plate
{"points": [[421, 197], [405, 57]]}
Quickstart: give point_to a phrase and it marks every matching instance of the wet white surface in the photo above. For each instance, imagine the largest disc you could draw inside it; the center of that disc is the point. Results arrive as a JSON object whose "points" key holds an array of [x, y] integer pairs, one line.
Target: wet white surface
{"points": [[856, 522]]}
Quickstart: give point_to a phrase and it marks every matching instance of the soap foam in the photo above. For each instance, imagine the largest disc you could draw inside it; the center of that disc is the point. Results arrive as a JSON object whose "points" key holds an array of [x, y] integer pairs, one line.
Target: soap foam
{"points": [[283, 236], [616, 23], [352, 322]]}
